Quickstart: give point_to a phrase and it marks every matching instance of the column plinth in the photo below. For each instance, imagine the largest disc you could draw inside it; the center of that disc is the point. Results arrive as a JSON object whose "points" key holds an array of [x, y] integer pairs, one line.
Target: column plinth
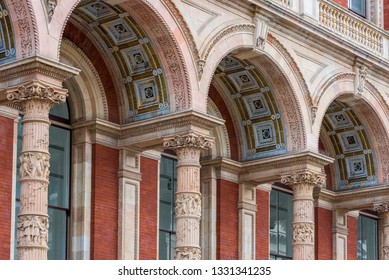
{"points": [[303, 240], [188, 196]]}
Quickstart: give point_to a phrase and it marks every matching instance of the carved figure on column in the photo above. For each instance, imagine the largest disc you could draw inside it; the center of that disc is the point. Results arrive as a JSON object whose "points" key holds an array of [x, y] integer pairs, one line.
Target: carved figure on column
{"points": [[360, 78], [50, 5], [188, 204]]}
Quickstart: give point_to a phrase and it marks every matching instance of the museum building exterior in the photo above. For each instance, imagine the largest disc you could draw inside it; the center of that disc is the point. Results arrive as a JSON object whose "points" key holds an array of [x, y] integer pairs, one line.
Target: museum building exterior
{"points": [[194, 129]]}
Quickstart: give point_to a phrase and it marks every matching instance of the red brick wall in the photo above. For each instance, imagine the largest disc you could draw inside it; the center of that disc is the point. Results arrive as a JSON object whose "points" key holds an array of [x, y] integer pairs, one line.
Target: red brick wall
{"points": [[343, 3], [262, 226], [104, 224], [386, 14], [352, 238], [323, 234], [227, 220], [6, 161], [218, 100], [148, 232]]}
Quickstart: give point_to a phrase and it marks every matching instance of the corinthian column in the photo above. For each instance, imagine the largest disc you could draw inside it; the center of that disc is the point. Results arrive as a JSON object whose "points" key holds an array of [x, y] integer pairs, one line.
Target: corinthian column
{"points": [[188, 196], [303, 240], [36, 99], [383, 211]]}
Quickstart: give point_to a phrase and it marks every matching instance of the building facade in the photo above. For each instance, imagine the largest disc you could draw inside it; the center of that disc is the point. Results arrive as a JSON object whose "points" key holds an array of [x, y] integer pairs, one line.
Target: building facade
{"points": [[194, 129]]}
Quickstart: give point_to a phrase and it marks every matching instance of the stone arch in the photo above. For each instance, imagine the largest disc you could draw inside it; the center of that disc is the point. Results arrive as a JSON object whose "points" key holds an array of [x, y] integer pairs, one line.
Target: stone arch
{"points": [[370, 108], [275, 60], [86, 91], [24, 28]]}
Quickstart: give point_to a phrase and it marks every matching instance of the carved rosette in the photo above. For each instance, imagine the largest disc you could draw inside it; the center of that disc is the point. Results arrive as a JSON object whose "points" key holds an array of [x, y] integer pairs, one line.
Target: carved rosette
{"points": [[188, 197], [383, 211]]}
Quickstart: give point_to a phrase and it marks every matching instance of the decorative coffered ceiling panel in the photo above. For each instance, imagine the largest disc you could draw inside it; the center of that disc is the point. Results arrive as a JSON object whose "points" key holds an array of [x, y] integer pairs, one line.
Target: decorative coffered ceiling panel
{"points": [[133, 57], [7, 40], [354, 160], [261, 121]]}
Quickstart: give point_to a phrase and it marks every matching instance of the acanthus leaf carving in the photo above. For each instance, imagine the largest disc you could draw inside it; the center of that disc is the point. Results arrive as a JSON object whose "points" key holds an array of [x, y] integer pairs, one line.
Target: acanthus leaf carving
{"points": [[189, 140], [381, 207], [304, 177]]}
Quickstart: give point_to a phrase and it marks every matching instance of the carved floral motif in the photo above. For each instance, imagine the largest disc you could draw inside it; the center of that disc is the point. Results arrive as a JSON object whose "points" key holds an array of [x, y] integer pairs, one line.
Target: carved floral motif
{"points": [[381, 207], [190, 140], [304, 177]]}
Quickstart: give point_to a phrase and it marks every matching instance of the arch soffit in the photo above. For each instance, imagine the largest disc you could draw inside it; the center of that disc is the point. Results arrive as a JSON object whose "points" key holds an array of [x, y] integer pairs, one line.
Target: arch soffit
{"points": [[87, 95], [372, 110], [278, 60]]}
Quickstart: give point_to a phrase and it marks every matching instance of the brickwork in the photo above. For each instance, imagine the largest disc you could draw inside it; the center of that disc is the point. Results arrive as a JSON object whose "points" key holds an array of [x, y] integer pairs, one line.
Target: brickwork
{"points": [[148, 227], [343, 3], [227, 220], [323, 234], [262, 225], [73, 34], [6, 158], [104, 225], [218, 100], [386, 14], [352, 238]]}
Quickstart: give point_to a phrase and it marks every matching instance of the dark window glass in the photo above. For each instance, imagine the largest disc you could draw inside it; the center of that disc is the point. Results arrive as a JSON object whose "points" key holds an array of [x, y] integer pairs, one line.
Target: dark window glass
{"points": [[367, 243]]}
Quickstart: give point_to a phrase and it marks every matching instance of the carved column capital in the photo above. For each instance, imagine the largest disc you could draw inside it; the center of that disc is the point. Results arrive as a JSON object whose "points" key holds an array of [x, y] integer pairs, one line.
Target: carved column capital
{"points": [[37, 90], [381, 207], [188, 140], [306, 177]]}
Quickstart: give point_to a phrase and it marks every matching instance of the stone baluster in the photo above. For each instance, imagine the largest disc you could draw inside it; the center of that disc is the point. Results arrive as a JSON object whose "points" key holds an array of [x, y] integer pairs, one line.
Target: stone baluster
{"points": [[383, 211], [303, 240], [36, 99], [188, 196]]}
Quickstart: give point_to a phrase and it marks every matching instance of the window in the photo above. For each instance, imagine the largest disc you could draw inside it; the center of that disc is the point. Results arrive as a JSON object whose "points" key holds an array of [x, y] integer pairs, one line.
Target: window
{"points": [[281, 217], [367, 242], [59, 187], [358, 7], [167, 221]]}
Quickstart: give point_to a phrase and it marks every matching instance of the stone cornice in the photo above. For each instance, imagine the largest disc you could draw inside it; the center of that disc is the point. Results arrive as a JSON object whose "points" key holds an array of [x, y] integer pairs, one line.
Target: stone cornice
{"points": [[226, 169], [354, 199], [36, 66], [180, 119]]}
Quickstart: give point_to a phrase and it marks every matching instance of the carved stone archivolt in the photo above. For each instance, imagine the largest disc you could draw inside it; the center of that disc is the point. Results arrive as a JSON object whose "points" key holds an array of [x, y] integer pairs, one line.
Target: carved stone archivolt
{"points": [[32, 231]]}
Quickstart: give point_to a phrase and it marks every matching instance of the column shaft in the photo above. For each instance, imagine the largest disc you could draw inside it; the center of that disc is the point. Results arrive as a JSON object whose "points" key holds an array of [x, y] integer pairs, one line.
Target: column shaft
{"points": [[383, 211]]}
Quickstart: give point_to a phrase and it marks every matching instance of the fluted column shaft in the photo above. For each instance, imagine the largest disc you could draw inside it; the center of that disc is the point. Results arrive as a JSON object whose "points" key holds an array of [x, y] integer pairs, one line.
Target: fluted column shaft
{"points": [[383, 211], [188, 196], [36, 99], [303, 240]]}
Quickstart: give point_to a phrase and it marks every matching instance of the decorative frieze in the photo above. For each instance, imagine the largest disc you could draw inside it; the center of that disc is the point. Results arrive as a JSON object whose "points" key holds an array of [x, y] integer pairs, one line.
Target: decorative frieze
{"points": [[34, 165], [303, 178], [303, 233], [188, 204], [190, 140]]}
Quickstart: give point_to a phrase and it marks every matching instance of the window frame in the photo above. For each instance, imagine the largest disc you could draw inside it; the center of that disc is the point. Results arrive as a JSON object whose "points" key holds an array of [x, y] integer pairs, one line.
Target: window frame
{"points": [[357, 12]]}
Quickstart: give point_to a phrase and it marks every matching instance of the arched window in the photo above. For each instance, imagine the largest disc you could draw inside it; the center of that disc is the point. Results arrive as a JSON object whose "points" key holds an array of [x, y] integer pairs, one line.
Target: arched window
{"points": [[59, 187]]}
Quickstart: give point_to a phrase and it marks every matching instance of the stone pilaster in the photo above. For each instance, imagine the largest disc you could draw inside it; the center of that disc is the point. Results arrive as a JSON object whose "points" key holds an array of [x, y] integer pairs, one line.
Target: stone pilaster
{"points": [[383, 211], [339, 235], [129, 184], [36, 99], [303, 224], [247, 218], [188, 196]]}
